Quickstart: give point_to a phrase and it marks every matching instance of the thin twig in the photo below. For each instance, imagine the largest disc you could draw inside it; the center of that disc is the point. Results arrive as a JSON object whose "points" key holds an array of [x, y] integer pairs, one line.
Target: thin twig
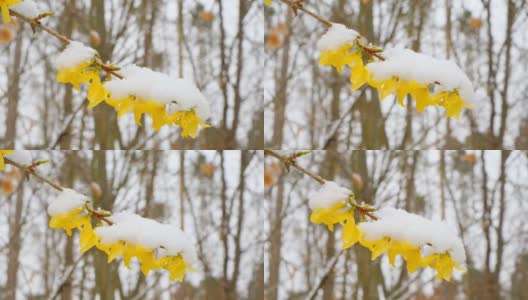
{"points": [[30, 170], [298, 5], [291, 162], [108, 68]]}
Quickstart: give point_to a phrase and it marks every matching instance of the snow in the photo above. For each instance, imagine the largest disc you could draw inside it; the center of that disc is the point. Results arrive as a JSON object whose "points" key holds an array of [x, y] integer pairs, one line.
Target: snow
{"points": [[409, 65], [328, 195], [22, 157], [148, 233], [336, 37], [65, 202], [27, 8], [75, 54], [144, 83], [416, 230]]}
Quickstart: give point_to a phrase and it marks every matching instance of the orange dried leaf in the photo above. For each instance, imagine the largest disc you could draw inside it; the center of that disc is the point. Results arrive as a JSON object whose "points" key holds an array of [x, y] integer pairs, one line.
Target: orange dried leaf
{"points": [[6, 34], [273, 40], [268, 177], [8, 186], [470, 158], [475, 23], [207, 17], [207, 169]]}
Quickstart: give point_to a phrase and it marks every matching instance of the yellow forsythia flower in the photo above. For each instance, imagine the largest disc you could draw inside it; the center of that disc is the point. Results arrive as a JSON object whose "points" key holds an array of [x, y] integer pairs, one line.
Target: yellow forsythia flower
{"points": [[96, 92], [4, 6], [69, 221], [113, 250], [452, 102], [344, 56], [87, 238], [2, 153], [147, 258], [443, 264], [330, 216], [83, 73], [351, 233], [175, 265], [188, 121], [267, 2]]}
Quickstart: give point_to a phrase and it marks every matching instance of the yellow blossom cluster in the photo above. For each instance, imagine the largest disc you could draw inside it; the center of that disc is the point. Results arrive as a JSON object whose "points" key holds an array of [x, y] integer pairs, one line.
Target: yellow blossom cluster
{"points": [[88, 73], [80, 219], [353, 54], [267, 2], [341, 214], [2, 153], [4, 7]]}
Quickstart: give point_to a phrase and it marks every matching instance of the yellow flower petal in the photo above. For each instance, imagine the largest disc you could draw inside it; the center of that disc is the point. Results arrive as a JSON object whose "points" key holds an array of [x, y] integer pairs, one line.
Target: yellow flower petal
{"points": [[69, 221], [329, 216], [87, 239], [2, 153], [351, 233], [96, 93], [148, 261], [175, 265]]}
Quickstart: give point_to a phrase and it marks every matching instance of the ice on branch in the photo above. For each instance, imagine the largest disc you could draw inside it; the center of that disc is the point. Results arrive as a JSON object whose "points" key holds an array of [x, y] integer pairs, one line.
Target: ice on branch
{"points": [[22, 157], [328, 195], [399, 225], [73, 55], [145, 83], [27, 8], [336, 37], [136, 230], [424, 69]]}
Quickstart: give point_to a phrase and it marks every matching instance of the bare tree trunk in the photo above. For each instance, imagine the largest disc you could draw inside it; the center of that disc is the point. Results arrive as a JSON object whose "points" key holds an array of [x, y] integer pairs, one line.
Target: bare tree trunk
{"points": [[13, 94], [14, 246], [244, 161], [275, 243], [280, 101]]}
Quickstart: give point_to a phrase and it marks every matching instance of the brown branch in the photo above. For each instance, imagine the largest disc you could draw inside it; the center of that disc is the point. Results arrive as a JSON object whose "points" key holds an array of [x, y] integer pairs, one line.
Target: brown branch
{"points": [[30, 170], [35, 23], [290, 161], [298, 5]]}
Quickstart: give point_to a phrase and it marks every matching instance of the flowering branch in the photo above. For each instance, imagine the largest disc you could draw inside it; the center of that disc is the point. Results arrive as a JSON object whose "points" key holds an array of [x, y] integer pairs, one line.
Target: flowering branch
{"points": [[290, 161], [35, 23], [296, 5], [31, 170]]}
